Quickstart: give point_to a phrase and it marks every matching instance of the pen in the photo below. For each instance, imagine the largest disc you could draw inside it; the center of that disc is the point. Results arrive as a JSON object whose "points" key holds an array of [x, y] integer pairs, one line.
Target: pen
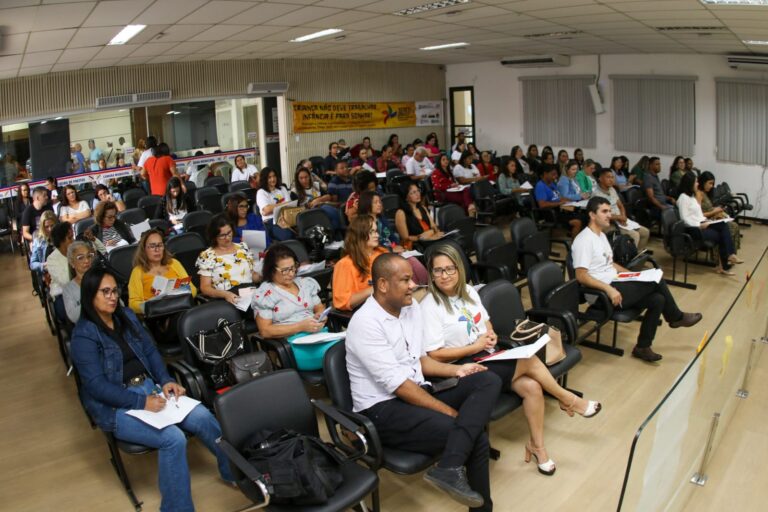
{"points": [[172, 395]]}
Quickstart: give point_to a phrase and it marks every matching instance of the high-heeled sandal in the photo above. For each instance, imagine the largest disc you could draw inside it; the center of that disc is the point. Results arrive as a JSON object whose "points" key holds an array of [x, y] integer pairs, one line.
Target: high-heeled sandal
{"points": [[724, 272], [545, 468], [735, 259], [592, 409]]}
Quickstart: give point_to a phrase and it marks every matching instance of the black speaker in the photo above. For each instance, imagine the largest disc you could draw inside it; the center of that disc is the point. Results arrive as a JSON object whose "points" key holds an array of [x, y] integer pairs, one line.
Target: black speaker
{"points": [[49, 148]]}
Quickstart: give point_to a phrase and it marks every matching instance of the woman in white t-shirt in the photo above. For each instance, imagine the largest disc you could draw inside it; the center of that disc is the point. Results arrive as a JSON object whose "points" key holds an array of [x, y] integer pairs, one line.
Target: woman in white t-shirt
{"points": [[243, 171], [465, 171], [457, 329], [71, 208], [271, 194]]}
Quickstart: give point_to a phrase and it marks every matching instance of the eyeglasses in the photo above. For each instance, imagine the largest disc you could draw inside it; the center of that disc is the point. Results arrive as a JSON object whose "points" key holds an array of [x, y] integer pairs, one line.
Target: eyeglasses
{"points": [[288, 270], [82, 257], [110, 292], [245, 206], [450, 270], [225, 235], [156, 246]]}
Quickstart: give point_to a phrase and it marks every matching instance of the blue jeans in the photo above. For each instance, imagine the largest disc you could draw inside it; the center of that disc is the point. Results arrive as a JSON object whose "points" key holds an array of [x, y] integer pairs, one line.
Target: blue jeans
{"points": [[277, 233], [171, 443]]}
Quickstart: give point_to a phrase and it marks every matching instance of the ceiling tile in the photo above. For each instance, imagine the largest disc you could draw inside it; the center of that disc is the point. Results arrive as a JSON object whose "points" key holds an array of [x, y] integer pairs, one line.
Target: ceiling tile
{"points": [[262, 13], [10, 62], [40, 58], [8, 73], [219, 32], [179, 33], [190, 47], [50, 40], [167, 11], [391, 6], [344, 4], [215, 12], [78, 54], [658, 5], [50, 17], [117, 51], [344, 19], [305, 15], [14, 44], [110, 11], [149, 34], [133, 61], [101, 63], [67, 66], [93, 36], [19, 3], [153, 49], [16, 21], [256, 33], [35, 70]]}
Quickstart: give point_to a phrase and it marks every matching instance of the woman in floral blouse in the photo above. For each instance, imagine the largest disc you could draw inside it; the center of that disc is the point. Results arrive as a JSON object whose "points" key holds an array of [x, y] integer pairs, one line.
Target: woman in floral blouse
{"points": [[224, 265]]}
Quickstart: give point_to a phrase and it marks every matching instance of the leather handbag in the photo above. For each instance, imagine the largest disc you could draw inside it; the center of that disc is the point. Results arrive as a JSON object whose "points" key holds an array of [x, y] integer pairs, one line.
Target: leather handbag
{"points": [[167, 305], [288, 216], [219, 344], [527, 332], [245, 367]]}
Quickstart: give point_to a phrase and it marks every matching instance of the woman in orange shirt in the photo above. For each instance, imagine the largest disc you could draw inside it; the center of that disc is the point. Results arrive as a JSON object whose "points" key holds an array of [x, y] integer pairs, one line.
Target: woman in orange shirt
{"points": [[160, 168], [352, 273]]}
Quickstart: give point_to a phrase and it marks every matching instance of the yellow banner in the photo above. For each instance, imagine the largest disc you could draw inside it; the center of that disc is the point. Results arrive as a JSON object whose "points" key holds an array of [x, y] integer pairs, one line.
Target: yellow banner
{"points": [[331, 116]]}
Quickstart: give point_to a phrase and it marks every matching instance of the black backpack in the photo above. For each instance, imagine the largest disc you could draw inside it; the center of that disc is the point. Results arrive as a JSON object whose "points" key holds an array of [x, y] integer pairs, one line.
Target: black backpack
{"points": [[624, 250], [297, 469]]}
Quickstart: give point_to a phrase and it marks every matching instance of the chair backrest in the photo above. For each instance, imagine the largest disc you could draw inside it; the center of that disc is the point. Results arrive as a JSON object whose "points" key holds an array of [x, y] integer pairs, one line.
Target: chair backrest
{"points": [[393, 173], [448, 214], [225, 198], [486, 239], [121, 261], [204, 317], [131, 197], [83, 224], [206, 191], [668, 217], [521, 228], [197, 222], [504, 305], [482, 190], [308, 218], [211, 203], [150, 204], [390, 202], [239, 185], [298, 249], [161, 224], [87, 196], [337, 377], [542, 279], [186, 247], [633, 195], [270, 402], [132, 216], [218, 182], [531, 243]]}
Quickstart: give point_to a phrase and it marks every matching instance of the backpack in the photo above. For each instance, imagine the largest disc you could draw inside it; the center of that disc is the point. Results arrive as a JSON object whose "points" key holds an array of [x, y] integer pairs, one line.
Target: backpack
{"points": [[297, 469], [624, 250]]}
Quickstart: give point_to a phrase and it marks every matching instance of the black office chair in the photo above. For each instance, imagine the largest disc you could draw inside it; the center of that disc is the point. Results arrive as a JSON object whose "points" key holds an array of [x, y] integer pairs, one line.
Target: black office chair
{"points": [[186, 248], [209, 199], [150, 205], [278, 401], [497, 256], [197, 222], [132, 216], [6, 227], [534, 245], [219, 182], [163, 225], [87, 196], [83, 224], [680, 242], [489, 203], [391, 203], [451, 217], [131, 197], [121, 261], [237, 186]]}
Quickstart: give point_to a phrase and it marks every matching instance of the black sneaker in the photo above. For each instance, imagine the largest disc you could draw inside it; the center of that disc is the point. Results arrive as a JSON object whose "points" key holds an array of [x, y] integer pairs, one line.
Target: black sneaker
{"points": [[646, 354], [454, 482]]}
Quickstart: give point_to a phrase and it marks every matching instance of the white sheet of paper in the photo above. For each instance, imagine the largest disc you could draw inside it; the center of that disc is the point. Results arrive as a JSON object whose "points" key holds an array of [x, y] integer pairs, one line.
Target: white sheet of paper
{"points": [[727, 219], [578, 204], [651, 275], [410, 254], [320, 337], [169, 415], [311, 267], [335, 245], [381, 175], [524, 352], [630, 225], [138, 229], [526, 186], [121, 243], [457, 189], [255, 240]]}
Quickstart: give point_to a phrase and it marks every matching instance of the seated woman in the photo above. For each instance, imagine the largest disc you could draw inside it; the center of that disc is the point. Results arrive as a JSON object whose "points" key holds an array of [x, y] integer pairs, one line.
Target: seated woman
{"points": [[80, 256], [362, 181], [175, 204], [240, 215], [465, 170], [243, 171], [693, 217], [567, 184], [71, 208], [412, 220], [704, 196], [41, 243], [677, 170], [486, 166], [620, 166], [364, 162], [108, 229], [351, 273], [271, 194], [309, 194], [443, 179], [508, 182], [104, 194], [225, 265], [120, 370], [57, 266], [370, 204], [457, 329]]}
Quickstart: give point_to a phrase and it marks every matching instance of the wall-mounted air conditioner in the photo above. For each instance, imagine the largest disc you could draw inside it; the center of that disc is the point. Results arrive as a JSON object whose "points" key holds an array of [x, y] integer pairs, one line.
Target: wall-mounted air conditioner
{"points": [[267, 88], [537, 61], [748, 62], [133, 100]]}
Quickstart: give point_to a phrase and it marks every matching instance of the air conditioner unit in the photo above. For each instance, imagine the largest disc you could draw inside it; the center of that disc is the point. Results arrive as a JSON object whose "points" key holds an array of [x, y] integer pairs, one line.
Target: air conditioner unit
{"points": [[748, 62], [267, 88], [537, 61], [133, 100]]}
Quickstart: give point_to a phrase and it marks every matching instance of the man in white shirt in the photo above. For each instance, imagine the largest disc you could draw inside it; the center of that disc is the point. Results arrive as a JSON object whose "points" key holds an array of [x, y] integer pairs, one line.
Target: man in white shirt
{"points": [[419, 167], [387, 366], [595, 268]]}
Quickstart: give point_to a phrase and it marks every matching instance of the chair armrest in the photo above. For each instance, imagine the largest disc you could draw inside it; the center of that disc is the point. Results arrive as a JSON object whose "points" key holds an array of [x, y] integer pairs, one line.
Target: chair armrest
{"points": [[565, 242], [372, 454], [281, 348], [191, 378], [338, 319], [247, 468], [601, 296], [329, 411], [566, 317], [503, 270]]}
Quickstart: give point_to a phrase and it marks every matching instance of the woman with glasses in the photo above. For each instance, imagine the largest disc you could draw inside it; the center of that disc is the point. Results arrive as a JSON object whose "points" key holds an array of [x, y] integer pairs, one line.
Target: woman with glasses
{"points": [[457, 329], [225, 265], [352, 273], [121, 370], [412, 220], [240, 215], [80, 256], [110, 230]]}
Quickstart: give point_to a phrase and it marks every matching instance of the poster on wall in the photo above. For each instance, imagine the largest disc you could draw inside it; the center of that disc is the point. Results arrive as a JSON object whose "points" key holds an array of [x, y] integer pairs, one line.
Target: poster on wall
{"points": [[429, 113], [335, 116]]}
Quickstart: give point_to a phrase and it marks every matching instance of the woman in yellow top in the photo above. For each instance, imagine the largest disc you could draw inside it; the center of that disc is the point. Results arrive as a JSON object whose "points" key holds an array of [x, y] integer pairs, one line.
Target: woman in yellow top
{"points": [[352, 273], [151, 261]]}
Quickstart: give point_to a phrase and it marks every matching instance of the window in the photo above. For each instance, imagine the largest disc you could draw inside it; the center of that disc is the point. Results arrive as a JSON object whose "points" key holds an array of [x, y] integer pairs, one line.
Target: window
{"points": [[654, 114], [742, 121], [558, 111]]}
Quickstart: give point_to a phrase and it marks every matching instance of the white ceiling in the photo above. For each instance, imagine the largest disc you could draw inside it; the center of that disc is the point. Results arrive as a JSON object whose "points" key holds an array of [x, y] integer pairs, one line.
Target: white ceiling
{"points": [[43, 36]]}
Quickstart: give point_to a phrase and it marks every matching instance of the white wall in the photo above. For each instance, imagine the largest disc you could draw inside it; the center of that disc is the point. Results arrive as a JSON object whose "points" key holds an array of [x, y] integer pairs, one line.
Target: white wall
{"points": [[499, 109], [102, 127]]}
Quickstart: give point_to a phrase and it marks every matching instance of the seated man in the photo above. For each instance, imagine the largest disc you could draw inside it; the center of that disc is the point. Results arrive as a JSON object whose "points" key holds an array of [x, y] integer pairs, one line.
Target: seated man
{"points": [[547, 196], [605, 189], [387, 367], [340, 187], [653, 189], [419, 167], [31, 216], [593, 261]]}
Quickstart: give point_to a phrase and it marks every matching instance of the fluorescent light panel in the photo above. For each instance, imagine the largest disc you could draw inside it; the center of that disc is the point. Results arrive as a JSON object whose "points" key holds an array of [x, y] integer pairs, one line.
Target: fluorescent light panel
{"points": [[128, 33], [755, 42], [429, 7], [735, 2], [444, 46], [315, 35]]}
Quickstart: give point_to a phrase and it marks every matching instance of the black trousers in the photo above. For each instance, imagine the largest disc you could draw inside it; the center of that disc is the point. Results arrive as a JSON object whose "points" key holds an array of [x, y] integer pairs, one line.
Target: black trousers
{"points": [[656, 299], [462, 441]]}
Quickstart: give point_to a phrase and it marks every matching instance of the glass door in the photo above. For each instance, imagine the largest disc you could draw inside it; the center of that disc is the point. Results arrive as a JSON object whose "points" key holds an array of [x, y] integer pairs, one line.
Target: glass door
{"points": [[462, 113]]}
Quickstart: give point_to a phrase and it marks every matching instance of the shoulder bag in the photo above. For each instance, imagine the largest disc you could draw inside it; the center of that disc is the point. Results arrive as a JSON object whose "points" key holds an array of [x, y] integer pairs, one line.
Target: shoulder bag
{"points": [[527, 332]]}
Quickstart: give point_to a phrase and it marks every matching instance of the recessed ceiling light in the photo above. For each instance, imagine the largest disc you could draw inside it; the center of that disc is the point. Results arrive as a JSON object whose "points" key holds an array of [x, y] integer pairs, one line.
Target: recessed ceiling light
{"points": [[734, 2], [754, 41], [43, 122], [429, 7], [57, 118], [128, 33], [315, 35], [173, 112], [444, 46]]}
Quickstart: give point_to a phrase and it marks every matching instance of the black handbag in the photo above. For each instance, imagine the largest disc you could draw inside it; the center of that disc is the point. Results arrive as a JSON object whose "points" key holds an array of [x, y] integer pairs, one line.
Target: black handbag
{"points": [[245, 367], [167, 305], [218, 345]]}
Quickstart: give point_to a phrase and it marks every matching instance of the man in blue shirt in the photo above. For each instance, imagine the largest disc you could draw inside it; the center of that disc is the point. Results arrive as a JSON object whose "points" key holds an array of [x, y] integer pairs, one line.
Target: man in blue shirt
{"points": [[95, 156], [548, 197], [340, 186], [78, 160]]}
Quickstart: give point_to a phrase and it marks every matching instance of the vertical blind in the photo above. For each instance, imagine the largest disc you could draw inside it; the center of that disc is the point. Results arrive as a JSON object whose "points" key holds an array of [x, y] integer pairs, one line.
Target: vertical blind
{"points": [[557, 110], [654, 114], [742, 121]]}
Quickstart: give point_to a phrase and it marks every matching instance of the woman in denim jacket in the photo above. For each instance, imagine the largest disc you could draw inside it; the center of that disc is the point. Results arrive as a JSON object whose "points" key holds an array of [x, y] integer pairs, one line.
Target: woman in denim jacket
{"points": [[120, 369]]}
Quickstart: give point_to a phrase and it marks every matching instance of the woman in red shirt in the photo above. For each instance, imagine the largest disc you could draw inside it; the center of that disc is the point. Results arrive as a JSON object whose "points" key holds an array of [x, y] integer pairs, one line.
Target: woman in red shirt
{"points": [[486, 167], [159, 169], [442, 180]]}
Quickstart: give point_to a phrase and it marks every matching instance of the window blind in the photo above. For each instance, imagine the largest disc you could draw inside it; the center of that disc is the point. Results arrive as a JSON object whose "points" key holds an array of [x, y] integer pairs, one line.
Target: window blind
{"points": [[742, 121]]}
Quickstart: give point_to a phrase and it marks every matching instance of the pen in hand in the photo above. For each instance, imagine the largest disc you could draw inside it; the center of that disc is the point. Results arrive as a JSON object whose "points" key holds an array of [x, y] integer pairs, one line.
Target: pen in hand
{"points": [[172, 396]]}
